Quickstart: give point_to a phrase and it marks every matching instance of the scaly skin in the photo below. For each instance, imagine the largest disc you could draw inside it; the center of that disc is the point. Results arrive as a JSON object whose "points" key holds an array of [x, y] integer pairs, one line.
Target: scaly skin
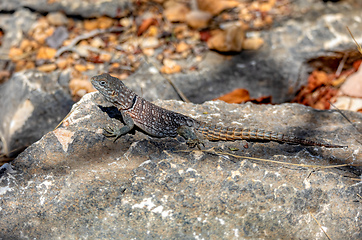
{"points": [[160, 122]]}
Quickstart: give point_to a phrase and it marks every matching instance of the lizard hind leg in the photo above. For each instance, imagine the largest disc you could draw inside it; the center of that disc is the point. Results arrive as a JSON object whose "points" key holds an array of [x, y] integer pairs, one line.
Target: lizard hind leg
{"points": [[192, 138]]}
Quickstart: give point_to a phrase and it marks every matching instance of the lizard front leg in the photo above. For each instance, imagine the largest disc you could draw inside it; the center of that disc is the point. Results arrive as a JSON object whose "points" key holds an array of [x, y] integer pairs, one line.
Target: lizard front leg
{"points": [[118, 132], [192, 138]]}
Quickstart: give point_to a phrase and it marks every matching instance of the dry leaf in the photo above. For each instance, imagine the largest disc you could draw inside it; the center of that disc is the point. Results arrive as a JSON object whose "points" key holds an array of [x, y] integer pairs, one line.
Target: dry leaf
{"points": [[146, 23], [239, 95], [262, 100], [317, 79]]}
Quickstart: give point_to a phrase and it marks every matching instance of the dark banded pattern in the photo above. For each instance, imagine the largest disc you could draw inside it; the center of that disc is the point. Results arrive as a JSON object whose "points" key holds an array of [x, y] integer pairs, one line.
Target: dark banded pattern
{"points": [[217, 133]]}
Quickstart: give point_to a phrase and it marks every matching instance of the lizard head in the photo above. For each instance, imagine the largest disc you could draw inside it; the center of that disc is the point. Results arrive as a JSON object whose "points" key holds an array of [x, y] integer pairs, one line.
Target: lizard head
{"points": [[114, 90]]}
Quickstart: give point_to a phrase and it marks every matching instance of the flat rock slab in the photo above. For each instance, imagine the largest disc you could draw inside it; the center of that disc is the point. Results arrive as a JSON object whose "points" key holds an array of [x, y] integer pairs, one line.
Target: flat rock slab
{"points": [[112, 8], [75, 183]]}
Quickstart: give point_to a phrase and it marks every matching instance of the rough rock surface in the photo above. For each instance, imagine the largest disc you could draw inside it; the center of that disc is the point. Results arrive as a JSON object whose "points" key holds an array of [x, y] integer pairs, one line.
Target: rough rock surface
{"points": [[112, 8], [32, 103], [75, 183]]}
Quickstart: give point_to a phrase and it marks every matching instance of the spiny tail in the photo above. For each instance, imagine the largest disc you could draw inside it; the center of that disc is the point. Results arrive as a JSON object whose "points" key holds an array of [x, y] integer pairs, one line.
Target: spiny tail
{"points": [[215, 133]]}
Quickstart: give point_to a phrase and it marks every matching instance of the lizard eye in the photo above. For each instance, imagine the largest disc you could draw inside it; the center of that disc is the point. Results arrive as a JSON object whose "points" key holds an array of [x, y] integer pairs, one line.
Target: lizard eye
{"points": [[103, 83]]}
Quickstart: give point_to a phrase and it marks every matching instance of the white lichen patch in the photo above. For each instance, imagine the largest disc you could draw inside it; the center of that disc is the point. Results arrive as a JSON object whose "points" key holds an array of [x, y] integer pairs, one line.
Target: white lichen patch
{"points": [[43, 189], [147, 203]]}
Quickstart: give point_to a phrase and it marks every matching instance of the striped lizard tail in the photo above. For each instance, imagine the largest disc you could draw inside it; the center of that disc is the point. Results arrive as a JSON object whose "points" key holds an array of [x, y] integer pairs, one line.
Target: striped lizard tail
{"points": [[215, 133]]}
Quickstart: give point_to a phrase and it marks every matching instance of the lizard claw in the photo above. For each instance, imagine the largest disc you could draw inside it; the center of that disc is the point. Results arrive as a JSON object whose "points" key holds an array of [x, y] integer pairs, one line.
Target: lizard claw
{"points": [[195, 142], [110, 132]]}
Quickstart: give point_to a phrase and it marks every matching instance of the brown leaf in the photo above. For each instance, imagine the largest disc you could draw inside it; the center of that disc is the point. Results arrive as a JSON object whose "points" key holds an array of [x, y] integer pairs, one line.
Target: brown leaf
{"points": [[317, 79], [356, 64], [239, 95], [205, 35], [145, 25], [262, 100]]}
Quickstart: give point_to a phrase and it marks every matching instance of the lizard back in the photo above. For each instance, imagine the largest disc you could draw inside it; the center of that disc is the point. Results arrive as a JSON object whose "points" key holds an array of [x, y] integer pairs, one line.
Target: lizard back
{"points": [[158, 121]]}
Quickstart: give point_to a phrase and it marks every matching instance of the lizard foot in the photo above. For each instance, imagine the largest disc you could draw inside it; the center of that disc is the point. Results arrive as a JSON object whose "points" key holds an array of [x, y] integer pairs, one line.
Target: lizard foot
{"points": [[195, 142], [192, 138], [110, 132]]}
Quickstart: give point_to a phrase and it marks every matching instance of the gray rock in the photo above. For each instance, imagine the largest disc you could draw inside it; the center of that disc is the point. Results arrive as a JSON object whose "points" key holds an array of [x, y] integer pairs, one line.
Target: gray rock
{"points": [[112, 8], [14, 27], [75, 183], [32, 103], [57, 38]]}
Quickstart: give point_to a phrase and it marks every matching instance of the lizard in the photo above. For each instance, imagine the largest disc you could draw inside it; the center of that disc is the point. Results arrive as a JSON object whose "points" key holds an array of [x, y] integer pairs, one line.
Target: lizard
{"points": [[160, 122]]}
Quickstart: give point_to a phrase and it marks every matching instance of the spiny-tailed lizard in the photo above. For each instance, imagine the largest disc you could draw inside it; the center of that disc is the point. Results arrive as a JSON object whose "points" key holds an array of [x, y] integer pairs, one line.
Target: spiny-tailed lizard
{"points": [[160, 122]]}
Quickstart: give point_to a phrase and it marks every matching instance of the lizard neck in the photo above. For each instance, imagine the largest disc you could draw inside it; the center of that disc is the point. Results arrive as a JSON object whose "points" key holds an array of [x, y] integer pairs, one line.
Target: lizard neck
{"points": [[126, 99], [120, 95]]}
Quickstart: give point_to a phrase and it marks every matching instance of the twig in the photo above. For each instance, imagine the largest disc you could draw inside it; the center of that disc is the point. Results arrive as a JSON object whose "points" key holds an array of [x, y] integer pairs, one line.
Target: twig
{"points": [[341, 64], [93, 33], [358, 46], [320, 226], [14, 150], [211, 150]]}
